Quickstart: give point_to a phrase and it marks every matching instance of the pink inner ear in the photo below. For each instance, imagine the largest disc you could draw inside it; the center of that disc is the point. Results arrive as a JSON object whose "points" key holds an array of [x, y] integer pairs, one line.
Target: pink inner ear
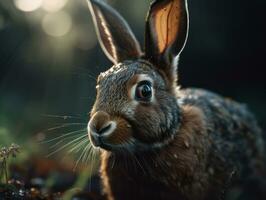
{"points": [[166, 21]]}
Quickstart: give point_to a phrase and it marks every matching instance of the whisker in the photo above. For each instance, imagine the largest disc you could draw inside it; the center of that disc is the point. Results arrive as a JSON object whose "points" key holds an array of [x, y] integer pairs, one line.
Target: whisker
{"points": [[77, 148], [56, 144], [64, 117], [86, 149], [91, 168], [113, 164], [64, 126], [69, 145], [84, 72], [139, 163], [77, 145], [82, 131], [86, 75], [80, 157], [89, 154], [84, 69], [65, 139], [66, 145]]}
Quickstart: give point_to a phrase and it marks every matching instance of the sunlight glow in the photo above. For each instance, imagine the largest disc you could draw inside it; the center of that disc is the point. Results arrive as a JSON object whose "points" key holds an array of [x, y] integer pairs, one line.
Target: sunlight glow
{"points": [[28, 5], [53, 5], [57, 24]]}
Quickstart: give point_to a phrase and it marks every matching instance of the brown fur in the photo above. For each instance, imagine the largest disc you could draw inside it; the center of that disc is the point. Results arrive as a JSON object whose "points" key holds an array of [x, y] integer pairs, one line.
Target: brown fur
{"points": [[178, 144], [122, 134], [100, 120], [186, 165]]}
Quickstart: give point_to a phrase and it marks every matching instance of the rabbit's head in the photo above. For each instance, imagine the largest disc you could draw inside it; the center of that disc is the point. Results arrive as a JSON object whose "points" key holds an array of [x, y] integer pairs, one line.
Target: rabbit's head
{"points": [[136, 105]]}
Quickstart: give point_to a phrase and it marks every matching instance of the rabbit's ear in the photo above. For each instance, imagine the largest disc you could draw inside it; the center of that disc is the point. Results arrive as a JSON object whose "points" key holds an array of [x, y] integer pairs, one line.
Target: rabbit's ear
{"points": [[115, 36], [166, 33]]}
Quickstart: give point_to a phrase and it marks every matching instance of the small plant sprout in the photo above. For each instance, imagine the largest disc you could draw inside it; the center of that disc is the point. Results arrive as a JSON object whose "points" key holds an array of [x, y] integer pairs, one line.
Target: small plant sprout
{"points": [[5, 153]]}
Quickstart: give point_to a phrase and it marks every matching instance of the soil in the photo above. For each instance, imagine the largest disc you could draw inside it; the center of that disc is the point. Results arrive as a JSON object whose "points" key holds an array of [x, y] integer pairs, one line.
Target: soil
{"points": [[46, 180]]}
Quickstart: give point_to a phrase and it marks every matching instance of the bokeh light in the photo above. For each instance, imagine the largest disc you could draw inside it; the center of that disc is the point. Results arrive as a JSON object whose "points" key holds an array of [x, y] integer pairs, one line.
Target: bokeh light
{"points": [[57, 24], [28, 5], [53, 5]]}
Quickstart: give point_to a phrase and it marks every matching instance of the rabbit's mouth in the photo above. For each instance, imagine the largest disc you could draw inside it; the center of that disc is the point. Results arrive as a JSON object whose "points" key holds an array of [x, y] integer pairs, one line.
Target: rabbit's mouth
{"points": [[104, 144], [99, 142]]}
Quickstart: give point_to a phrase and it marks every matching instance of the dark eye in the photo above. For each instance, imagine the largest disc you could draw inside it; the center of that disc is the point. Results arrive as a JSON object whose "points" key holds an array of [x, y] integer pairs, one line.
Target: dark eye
{"points": [[143, 91]]}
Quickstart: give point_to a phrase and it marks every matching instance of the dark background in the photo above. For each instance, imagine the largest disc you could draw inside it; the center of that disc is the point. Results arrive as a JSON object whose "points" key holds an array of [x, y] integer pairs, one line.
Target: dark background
{"points": [[42, 74]]}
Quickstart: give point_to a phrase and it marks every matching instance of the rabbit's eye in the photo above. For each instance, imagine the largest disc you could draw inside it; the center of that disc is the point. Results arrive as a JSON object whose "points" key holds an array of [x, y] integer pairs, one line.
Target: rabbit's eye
{"points": [[143, 91]]}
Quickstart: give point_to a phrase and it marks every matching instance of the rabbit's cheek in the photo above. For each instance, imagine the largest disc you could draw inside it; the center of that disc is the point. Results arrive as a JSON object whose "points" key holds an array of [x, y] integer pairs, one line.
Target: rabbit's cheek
{"points": [[149, 120], [129, 110]]}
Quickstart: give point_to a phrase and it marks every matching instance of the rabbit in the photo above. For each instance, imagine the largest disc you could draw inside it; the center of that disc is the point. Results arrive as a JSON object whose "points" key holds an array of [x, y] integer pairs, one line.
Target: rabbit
{"points": [[157, 140]]}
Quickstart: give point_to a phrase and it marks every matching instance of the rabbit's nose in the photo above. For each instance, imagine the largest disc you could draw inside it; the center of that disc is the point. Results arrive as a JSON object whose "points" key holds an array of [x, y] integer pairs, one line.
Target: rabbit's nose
{"points": [[102, 130], [101, 125]]}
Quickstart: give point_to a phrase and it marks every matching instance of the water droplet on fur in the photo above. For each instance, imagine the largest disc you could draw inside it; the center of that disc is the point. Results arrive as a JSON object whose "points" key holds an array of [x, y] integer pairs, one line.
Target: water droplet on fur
{"points": [[186, 144]]}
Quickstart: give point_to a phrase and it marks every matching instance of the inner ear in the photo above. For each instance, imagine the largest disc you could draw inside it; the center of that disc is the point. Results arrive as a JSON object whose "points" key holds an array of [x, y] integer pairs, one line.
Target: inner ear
{"points": [[114, 34], [166, 34]]}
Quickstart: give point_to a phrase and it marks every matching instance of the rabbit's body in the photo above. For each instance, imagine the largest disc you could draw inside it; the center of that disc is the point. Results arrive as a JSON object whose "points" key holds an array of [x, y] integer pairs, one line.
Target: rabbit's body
{"points": [[217, 146], [157, 141]]}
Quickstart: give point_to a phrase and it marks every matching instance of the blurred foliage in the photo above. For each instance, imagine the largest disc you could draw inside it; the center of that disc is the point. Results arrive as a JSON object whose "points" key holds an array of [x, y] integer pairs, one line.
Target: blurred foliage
{"points": [[50, 58], [5, 154]]}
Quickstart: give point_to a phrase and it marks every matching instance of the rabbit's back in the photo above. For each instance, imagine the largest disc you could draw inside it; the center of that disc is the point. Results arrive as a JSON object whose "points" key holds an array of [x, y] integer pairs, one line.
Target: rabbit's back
{"points": [[234, 137]]}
